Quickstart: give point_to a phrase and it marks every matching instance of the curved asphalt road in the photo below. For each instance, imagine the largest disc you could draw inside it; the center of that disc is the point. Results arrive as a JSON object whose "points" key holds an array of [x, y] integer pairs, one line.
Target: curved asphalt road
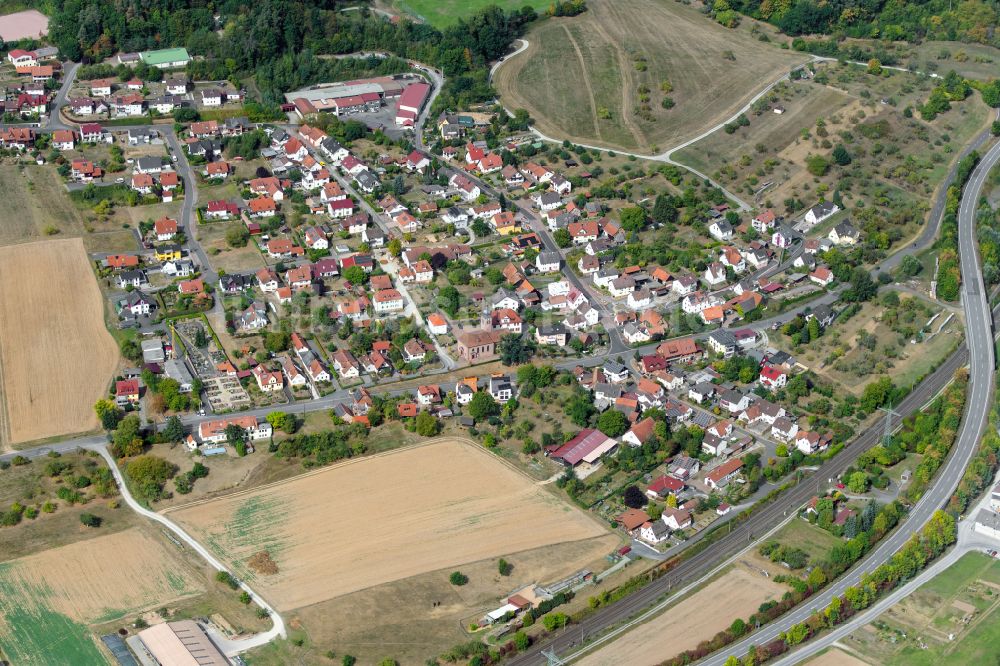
{"points": [[980, 337], [979, 354]]}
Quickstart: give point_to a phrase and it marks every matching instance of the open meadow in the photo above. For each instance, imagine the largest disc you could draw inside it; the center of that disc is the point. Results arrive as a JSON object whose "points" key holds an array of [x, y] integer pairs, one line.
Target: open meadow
{"points": [[48, 600], [344, 528], [424, 615], [45, 210], [56, 356], [904, 343], [598, 78], [736, 594]]}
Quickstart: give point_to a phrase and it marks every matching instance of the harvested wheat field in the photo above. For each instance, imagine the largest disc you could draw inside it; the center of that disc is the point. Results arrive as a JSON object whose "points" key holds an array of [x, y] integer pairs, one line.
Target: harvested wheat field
{"points": [[697, 618], [373, 520], [56, 357], [48, 599]]}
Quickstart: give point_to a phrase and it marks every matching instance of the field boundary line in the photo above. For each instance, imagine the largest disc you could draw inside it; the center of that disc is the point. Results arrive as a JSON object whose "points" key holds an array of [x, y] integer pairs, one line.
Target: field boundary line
{"points": [[5, 444]]}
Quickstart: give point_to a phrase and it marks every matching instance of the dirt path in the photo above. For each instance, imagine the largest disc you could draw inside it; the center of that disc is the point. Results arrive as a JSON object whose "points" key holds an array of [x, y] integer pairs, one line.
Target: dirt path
{"points": [[586, 81]]}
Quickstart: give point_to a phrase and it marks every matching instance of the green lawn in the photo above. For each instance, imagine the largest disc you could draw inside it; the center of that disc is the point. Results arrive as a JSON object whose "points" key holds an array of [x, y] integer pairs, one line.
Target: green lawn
{"points": [[442, 13], [813, 540], [979, 646]]}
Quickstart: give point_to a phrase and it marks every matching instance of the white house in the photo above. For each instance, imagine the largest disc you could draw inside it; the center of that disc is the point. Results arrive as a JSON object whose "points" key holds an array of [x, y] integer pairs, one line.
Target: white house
{"points": [[820, 212], [721, 230]]}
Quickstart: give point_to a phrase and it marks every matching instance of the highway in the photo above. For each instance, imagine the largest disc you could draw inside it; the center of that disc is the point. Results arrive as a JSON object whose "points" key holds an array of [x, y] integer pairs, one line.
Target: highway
{"points": [[758, 524], [979, 334]]}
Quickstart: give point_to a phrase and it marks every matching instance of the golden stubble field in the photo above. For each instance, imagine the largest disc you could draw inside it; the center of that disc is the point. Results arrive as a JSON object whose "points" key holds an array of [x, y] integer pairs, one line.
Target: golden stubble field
{"points": [[737, 594], [56, 356], [385, 518]]}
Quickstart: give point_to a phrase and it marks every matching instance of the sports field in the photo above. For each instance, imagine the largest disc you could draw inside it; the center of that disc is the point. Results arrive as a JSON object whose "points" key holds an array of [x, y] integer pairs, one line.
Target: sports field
{"points": [[30, 24], [737, 594], [56, 356], [442, 13], [370, 521], [582, 78], [47, 600]]}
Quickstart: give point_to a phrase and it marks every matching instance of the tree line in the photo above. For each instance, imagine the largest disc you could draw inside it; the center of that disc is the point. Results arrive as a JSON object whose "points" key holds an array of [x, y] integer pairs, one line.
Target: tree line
{"points": [[278, 40]]}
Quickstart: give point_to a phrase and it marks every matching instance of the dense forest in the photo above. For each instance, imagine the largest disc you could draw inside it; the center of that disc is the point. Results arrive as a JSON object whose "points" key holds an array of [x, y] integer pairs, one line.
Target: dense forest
{"points": [[279, 41], [960, 20]]}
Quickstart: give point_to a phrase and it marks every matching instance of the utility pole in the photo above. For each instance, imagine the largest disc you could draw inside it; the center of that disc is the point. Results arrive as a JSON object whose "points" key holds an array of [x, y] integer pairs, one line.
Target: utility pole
{"points": [[887, 433]]}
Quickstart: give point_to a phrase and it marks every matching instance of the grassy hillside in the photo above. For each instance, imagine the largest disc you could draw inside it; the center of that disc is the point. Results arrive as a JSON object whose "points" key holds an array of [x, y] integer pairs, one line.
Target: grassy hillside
{"points": [[601, 77]]}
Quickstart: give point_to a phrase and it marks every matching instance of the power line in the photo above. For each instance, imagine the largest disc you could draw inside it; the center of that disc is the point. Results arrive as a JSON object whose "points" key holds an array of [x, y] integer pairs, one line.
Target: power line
{"points": [[887, 433]]}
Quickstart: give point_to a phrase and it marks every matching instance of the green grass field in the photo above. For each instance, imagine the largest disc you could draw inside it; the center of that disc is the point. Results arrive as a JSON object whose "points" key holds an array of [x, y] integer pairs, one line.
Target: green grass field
{"points": [[974, 581], [442, 13], [813, 540]]}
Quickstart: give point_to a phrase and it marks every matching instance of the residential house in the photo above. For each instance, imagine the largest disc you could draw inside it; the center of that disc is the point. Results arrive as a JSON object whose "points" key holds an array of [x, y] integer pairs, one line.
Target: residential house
{"points": [[820, 212], [772, 377], [764, 222], [784, 429], [724, 473], [721, 229], [844, 233], [386, 301], [214, 431], [268, 381]]}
